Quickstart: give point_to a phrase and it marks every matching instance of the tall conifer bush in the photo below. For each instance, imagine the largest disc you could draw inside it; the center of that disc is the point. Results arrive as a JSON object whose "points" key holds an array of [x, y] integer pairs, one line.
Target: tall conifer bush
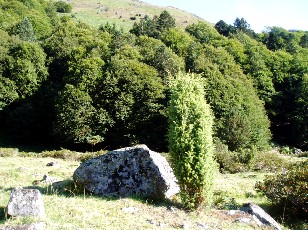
{"points": [[190, 140]]}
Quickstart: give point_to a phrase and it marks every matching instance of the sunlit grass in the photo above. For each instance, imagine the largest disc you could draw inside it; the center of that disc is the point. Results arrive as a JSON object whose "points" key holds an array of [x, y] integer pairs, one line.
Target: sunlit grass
{"points": [[74, 209], [98, 12]]}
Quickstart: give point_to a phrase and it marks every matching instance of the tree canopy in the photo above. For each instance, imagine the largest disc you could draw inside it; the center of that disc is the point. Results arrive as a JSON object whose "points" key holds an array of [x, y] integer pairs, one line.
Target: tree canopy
{"points": [[64, 82]]}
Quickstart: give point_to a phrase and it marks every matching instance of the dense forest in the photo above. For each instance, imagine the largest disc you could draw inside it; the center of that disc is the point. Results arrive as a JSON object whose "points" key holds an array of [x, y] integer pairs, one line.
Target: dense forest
{"points": [[64, 83]]}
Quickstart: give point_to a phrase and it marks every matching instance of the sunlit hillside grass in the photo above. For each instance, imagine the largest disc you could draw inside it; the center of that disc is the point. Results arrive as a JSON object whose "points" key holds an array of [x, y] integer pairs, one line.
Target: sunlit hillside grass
{"points": [[71, 208], [124, 12]]}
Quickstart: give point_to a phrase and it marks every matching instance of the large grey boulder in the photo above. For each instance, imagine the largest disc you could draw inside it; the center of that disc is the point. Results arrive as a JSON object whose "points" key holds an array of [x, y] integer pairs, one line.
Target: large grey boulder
{"points": [[260, 215], [126, 172], [25, 202]]}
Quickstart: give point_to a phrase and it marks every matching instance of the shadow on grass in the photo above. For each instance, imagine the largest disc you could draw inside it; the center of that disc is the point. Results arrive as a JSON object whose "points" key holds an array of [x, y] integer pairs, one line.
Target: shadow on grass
{"points": [[67, 188], [2, 215]]}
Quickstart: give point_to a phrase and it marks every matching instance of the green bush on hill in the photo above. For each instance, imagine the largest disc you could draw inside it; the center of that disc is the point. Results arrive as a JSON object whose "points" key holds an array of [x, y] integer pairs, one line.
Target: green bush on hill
{"points": [[63, 7], [190, 140], [288, 190]]}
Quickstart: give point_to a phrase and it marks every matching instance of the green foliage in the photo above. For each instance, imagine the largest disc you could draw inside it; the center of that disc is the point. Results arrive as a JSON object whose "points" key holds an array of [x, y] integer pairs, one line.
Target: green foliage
{"points": [[204, 33], [22, 69], [229, 162], [268, 161], [146, 26], [281, 39], [240, 118], [75, 115], [154, 27], [223, 28], [63, 7], [304, 41], [165, 21], [179, 41], [190, 140], [25, 30], [132, 93], [13, 12], [156, 54], [288, 190]]}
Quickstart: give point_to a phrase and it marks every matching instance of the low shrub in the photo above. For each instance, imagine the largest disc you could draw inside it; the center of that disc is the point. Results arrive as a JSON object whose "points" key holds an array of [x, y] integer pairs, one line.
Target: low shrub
{"points": [[71, 155], [288, 190], [268, 162], [63, 7], [232, 162], [8, 152], [222, 200]]}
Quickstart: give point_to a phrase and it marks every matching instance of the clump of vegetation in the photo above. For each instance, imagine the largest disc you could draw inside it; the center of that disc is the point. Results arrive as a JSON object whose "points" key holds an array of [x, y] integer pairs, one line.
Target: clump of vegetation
{"points": [[190, 140], [66, 154], [229, 162], [268, 161], [63, 7], [222, 200], [288, 190], [8, 152]]}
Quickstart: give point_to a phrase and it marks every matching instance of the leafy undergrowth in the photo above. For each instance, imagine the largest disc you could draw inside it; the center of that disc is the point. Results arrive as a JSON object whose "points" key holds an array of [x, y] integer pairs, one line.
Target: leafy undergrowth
{"points": [[73, 209]]}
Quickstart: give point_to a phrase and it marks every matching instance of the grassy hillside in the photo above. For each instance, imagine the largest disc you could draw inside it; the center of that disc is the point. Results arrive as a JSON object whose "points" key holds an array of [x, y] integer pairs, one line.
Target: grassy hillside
{"points": [[123, 12], [69, 208]]}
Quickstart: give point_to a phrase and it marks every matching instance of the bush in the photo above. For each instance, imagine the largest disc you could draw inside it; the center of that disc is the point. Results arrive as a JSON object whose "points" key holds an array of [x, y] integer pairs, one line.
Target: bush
{"points": [[288, 190], [228, 161], [231, 161], [63, 7], [190, 140], [268, 162]]}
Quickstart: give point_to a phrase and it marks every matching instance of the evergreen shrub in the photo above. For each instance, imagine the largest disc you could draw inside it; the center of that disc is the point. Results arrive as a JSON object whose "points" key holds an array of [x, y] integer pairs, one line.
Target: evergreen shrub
{"points": [[190, 140]]}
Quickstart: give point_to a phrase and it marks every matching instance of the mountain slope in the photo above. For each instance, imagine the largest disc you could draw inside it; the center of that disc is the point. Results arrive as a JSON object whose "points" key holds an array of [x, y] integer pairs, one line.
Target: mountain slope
{"points": [[124, 12]]}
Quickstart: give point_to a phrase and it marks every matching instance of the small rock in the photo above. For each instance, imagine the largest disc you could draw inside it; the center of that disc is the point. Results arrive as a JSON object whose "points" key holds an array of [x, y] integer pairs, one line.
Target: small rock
{"points": [[243, 220], [232, 212], [130, 209], [203, 226], [61, 186], [185, 226], [21, 169], [152, 222], [47, 179], [25, 202], [52, 164]]}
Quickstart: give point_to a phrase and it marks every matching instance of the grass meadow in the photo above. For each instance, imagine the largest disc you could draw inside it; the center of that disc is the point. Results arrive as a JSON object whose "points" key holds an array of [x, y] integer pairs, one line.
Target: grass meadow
{"points": [[72, 208]]}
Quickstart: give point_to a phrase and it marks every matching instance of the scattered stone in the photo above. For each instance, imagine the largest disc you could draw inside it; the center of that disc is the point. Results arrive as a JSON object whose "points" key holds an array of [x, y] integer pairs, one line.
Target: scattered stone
{"points": [[130, 209], [185, 226], [52, 164], [25, 202], [62, 186], [298, 151], [172, 209], [21, 169], [158, 224], [46, 179], [126, 172], [261, 215], [202, 226], [243, 220], [152, 222], [34, 226], [232, 212]]}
